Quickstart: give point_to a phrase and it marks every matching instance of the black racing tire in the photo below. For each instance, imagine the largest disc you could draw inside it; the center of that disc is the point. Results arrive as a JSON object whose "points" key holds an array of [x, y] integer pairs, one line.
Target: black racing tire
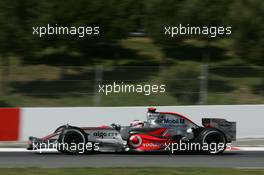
{"points": [[214, 139], [72, 140]]}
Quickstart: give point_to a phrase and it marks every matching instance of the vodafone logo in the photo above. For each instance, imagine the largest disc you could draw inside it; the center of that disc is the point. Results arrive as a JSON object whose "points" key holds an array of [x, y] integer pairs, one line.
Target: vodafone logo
{"points": [[135, 141]]}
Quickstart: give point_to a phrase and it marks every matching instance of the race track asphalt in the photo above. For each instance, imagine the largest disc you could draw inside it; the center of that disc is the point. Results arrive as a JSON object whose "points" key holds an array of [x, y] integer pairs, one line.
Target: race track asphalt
{"points": [[250, 159]]}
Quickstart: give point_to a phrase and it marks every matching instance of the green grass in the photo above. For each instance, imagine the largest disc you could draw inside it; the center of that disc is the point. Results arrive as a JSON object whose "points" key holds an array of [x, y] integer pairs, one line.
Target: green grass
{"points": [[130, 171]]}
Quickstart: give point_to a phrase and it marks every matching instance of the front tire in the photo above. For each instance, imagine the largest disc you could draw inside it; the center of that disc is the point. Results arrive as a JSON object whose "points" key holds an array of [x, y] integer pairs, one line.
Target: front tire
{"points": [[72, 140]]}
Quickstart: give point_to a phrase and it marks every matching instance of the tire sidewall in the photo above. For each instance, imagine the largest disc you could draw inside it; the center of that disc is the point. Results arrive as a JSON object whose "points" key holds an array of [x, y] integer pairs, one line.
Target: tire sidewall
{"points": [[67, 132], [207, 132]]}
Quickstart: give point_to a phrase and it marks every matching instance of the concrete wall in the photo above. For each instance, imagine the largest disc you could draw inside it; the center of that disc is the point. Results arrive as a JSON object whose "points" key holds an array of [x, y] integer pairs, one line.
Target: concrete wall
{"points": [[42, 121]]}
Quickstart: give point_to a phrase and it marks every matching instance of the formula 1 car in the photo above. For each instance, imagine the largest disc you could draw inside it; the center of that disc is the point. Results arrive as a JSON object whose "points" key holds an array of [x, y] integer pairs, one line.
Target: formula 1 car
{"points": [[163, 131]]}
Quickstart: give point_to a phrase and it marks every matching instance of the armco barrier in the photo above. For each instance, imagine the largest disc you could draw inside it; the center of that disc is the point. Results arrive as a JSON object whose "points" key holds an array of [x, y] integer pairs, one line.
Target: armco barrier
{"points": [[41, 121]]}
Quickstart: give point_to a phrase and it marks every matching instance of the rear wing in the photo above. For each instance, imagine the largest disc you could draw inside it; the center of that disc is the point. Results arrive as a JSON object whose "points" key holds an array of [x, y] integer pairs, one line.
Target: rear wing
{"points": [[229, 128]]}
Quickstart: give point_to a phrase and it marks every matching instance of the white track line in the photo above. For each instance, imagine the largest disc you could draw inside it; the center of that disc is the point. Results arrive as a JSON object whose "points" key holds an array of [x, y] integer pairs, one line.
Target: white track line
{"points": [[251, 148], [54, 150], [25, 150]]}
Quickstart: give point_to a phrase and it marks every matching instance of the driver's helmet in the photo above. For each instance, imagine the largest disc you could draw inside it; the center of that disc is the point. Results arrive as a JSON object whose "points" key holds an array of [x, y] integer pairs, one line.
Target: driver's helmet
{"points": [[137, 124]]}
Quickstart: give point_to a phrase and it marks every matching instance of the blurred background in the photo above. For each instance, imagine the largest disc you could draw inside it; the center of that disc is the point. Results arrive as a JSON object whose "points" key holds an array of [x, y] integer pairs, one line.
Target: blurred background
{"points": [[66, 70]]}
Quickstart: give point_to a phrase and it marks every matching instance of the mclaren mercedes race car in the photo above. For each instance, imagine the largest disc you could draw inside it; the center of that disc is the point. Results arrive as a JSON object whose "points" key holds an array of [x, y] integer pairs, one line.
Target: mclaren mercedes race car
{"points": [[163, 131]]}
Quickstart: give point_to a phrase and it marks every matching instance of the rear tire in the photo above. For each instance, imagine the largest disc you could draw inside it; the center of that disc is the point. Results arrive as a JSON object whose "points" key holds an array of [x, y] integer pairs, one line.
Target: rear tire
{"points": [[214, 139]]}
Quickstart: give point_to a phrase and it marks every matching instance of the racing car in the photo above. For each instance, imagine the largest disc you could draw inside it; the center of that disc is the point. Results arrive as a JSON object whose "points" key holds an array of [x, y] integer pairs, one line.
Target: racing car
{"points": [[162, 131]]}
